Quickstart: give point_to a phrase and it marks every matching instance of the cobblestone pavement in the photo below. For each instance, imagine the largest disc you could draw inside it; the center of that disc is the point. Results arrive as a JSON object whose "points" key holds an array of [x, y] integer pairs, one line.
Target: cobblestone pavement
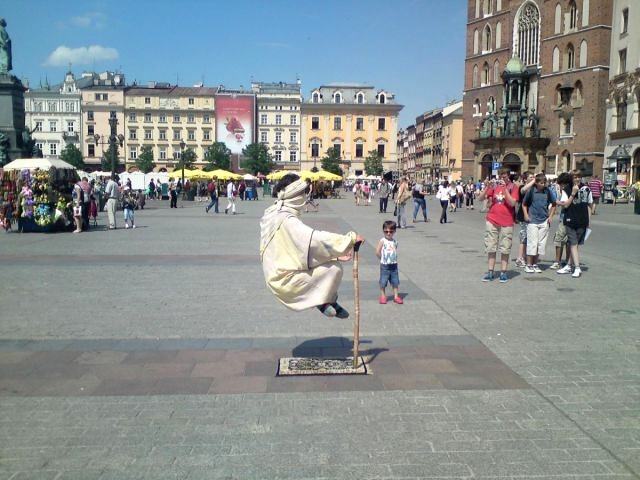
{"points": [[151, 354]]}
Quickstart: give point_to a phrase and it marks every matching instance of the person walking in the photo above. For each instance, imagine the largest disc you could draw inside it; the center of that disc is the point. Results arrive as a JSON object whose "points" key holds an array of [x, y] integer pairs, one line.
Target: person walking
{"points": [[597, 187], [502, 196], [538, 207], [173, 193], [525, 183], [111, 192], [242, 188], [469, 194], [152, 190], [128, 205], [84, 199], [384, 191], [232, 191], [419, 192], [357, 192], [404, 194], [366, 193], [212, 189], [443, 196]]}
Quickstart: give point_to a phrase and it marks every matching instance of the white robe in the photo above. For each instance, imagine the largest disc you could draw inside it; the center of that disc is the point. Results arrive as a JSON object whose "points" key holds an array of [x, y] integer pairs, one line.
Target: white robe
{"points": [[299, 263]]}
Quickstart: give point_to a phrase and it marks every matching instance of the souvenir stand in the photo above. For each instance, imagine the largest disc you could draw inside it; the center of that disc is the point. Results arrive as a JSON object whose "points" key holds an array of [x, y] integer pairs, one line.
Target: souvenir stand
{"points": [[41, 191]]}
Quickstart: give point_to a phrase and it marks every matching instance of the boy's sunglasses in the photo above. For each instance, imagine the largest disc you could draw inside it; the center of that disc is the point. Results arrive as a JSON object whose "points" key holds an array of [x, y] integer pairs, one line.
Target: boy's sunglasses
{"points": [[389, 231]]}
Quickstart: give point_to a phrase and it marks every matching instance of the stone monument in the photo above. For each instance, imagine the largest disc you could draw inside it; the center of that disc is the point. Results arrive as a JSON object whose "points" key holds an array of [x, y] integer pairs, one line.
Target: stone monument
{"points": [[11, 105]]}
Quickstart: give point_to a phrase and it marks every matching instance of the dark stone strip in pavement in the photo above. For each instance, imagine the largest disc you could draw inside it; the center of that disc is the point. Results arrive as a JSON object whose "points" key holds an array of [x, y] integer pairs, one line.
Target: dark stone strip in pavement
{"points": [[227, 343], [454, 364], [152, 260]]}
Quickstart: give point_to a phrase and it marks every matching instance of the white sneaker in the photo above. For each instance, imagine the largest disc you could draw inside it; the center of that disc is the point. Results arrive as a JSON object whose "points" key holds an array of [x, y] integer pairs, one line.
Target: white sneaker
{"points": [[537, 269], [126, 226], [529, 269], [555, 266], [133, 226], [565, 269], [576, 273], [520, 263]]}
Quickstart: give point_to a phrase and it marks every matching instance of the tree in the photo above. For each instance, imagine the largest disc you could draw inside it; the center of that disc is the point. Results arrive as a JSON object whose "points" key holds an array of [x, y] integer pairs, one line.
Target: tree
{"points": [[112, 151], [331, 162], [72, 155], [187, 159], [145, 160], [217, 156], [257, 159], [373, 164]]}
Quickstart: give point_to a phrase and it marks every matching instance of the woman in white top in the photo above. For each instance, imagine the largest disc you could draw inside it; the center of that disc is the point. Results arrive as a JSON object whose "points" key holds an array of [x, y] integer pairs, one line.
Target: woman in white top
{"points": [[443, 196]]}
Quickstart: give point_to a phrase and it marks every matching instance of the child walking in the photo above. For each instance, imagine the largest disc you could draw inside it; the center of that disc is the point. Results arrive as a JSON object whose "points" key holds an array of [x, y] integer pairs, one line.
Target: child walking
{"points": [[93, 210], [129, 204], [387, 252]]}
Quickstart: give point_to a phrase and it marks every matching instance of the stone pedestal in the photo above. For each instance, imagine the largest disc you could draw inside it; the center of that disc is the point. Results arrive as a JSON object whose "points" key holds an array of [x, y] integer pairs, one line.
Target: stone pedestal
{"points": [[12, 115]]}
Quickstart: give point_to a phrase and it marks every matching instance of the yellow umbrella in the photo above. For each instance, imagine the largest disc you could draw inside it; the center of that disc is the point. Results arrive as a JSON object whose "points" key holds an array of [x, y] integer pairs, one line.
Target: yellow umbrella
{"points": [[223, 175], [308, 175], [324, 175], [278, 175], [178, 173]]}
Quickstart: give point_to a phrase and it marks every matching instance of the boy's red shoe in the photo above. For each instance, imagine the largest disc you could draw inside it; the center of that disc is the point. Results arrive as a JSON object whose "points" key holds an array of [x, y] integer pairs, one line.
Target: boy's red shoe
{"points": [[398, 300], [383, 299]]}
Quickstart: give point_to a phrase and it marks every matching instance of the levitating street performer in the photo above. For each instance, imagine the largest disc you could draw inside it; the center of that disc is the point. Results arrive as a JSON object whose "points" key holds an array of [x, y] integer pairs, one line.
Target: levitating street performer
{"points": [[302, 265]]}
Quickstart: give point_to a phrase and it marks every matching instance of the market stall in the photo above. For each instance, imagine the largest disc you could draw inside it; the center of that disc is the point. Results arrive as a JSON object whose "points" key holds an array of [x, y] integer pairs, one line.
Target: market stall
{"points": [[40, 190]]}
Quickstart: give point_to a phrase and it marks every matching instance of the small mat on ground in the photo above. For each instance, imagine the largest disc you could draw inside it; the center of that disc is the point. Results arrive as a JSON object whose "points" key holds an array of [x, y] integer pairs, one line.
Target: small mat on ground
{"points": [[290, 366]]}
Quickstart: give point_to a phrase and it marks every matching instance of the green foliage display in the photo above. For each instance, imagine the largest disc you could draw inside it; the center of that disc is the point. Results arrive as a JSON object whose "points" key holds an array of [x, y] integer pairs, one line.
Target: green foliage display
{"points": [[331, 162], [145, 160], [257, 159], [72, 155], [373, 164], [217, 156]]}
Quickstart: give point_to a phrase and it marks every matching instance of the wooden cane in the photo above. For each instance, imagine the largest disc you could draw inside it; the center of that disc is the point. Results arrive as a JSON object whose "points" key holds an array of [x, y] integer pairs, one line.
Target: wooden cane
{"points": [[356, 321]]}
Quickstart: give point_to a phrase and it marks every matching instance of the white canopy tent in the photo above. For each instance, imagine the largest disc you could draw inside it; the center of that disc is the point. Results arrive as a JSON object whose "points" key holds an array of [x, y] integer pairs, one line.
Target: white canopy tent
{"points": [[40, 163]]}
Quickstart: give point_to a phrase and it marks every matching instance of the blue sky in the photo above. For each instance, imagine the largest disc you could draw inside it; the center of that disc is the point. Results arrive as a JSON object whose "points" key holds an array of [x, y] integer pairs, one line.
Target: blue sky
{"points": [[414, 48]]}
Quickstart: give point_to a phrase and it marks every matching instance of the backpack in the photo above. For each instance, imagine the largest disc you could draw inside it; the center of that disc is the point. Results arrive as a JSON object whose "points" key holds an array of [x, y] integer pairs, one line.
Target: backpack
{"points": [[528, 198]]}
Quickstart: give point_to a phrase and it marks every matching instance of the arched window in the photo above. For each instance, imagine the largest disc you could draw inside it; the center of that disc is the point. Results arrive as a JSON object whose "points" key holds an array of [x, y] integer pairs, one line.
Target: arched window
{"points": [[476, 107], [573, 15], [621, 113], [491, 105], [382, 98], [557, 27], [498, 5], [527, 33], [583, 53], [556, 59], [498, 35], [486, 7], [486, 39], [474, 79], [360, 98], [475, 41], [315, 98], [585, 13], [337, 97], [577, 94], [496, 71], [486, 79], [570, 58], [477, 8], [558, 95]]}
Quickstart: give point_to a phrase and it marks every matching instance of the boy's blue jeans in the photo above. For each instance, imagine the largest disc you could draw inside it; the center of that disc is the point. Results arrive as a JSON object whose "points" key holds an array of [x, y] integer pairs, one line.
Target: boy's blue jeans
{"points": [[389, 274]]}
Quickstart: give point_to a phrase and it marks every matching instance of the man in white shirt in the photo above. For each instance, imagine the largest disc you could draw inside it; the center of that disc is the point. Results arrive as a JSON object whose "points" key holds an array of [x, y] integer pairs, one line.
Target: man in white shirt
{"points": [[231, 197], [111, 193]]}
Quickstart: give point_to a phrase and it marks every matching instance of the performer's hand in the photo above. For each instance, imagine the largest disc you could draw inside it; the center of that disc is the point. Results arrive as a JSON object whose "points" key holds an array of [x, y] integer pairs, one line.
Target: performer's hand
{"points": [[346, 258], [359, 239]]}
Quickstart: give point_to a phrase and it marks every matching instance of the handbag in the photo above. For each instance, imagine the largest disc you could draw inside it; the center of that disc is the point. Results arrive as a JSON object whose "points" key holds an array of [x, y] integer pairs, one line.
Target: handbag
{"points": [[395, 211], [406, 195]]}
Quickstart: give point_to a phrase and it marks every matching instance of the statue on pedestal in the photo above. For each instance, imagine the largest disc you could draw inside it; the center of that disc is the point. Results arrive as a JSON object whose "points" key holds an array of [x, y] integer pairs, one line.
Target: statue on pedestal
{"points": [[5, 49]]}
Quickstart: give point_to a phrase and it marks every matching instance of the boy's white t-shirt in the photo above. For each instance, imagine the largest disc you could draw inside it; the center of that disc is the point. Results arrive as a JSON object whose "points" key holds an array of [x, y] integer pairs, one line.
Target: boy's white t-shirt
{"points": [[389, 251]]}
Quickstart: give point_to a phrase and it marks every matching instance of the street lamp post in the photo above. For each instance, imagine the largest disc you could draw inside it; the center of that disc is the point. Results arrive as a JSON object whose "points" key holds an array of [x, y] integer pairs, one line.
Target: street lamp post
{"points": [[113, 141], [182, 145]]}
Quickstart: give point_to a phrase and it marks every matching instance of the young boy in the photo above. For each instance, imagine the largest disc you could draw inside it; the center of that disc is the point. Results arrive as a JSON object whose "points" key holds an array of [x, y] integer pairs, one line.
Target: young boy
{"points": [[129, 205], [560, 237], [535, 207], [387, 252]]}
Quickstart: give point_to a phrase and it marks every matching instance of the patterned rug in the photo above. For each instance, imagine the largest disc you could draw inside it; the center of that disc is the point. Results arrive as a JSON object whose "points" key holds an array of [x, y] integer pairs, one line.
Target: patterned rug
{"points": [[289, 366]]}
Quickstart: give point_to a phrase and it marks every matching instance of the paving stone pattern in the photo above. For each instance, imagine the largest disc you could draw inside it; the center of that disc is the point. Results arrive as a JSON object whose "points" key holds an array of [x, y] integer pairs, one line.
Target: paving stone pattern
{"points": [[149, 321]]}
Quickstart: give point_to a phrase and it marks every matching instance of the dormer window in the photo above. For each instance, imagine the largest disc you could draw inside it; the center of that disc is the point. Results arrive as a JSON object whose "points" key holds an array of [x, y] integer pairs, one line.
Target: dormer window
{"points": [[315, 98], [337, 97], [360, 98], [382, 98]]}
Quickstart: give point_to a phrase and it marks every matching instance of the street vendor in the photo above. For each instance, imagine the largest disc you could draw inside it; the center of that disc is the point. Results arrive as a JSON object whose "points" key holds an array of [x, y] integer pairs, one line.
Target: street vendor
{"points": [[301, 265]]}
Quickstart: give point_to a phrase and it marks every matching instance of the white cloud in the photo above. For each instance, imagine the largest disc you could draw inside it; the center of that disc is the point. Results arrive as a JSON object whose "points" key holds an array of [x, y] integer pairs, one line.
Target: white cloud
{"points": [[88, 20], [62, 55]]}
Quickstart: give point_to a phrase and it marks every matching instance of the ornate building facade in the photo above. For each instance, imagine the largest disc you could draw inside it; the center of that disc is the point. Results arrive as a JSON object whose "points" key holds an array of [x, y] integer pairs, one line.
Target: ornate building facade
{"points": [[279, 121], [354, 118], [53, 114], [545, 112], [622, 149]]}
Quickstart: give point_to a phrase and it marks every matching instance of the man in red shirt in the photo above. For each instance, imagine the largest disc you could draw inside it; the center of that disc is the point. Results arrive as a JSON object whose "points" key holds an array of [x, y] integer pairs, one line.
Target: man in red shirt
{"points": [[596, 186], [502, 196], [212, 188]]}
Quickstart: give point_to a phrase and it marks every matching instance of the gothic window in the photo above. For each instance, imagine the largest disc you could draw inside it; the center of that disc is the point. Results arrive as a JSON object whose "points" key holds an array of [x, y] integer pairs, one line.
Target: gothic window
{"points": [[621, 113], [476, 108], [486, 39], [498, 5], [557, 27], [475, 41], [491, 105], [474, 80], [583, 53], [577, 94], [486, 7], [556, 59], [496, 72], [570, 58], [527, 34], [498, 35], [558, 95], [486, 75], [477, 8], [573, 15]]}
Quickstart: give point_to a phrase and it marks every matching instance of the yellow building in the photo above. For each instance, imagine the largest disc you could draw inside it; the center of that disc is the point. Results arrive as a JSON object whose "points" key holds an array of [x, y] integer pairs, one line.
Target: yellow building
{"points": [[169, 119], [451, 160], [354, 118], [102, 97]]}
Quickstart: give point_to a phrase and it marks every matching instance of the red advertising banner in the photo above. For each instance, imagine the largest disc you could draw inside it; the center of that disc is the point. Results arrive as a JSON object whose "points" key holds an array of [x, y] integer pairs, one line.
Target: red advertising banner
{"points": [[235, 115]]}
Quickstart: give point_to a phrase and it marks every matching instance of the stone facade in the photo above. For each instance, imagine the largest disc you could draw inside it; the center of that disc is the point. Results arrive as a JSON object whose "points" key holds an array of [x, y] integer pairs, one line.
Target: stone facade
{"points": [[168, 118], [563, 46], [53, 115], [623, 101], [354, 117], [279, 121]]}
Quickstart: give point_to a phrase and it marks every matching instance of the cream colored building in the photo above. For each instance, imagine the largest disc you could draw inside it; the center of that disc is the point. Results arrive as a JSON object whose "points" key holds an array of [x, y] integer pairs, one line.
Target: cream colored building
{"points": [[356, 119], [279, 121], [102, 97], [169, 119], [451, 141]]}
